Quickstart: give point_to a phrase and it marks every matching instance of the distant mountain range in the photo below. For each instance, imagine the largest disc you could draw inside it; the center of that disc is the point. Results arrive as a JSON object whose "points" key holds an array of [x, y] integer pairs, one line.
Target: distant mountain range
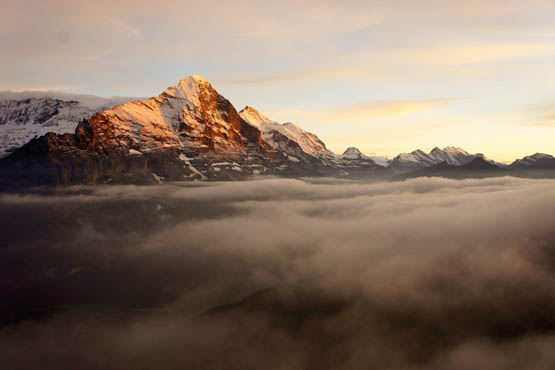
{"points": [[191, 132]]}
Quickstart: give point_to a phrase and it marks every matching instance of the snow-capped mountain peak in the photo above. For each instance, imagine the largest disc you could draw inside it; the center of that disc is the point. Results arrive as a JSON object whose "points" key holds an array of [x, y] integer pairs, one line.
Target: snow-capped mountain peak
{"points": [[417, 159], [538, 160], [452, 155], [308, 142], [188, 88], [21, 120], [255, 118], [453, 149], [353, 153], [535, 157]]}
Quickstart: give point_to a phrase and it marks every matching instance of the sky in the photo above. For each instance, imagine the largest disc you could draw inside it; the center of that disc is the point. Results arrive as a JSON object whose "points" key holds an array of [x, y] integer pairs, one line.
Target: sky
{"points": [[384, 76]]}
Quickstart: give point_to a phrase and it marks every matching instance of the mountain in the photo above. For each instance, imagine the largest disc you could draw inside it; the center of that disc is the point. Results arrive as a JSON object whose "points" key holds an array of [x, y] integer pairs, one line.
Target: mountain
{"points": [[452, 155], [476, 168], [97, 103], [353, 153], [305, 147], [21, 120], [355, 164], [408, 162], [25, 118], [536, 161], [189, 131], [287, 137]]}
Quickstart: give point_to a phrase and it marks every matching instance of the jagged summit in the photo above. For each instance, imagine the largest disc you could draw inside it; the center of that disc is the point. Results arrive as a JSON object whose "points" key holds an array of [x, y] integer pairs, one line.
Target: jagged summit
{"points": [[175, 135], [417, 159], [286, 137], [189, 131], [254, 117], [535, 161], [188, 88], [454, 149], [353, 153], [198, 78]]}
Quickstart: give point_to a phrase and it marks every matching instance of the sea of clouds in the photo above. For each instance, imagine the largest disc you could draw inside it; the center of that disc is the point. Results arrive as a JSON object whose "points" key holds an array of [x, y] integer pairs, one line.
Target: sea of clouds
{"points": [[280, 274]]}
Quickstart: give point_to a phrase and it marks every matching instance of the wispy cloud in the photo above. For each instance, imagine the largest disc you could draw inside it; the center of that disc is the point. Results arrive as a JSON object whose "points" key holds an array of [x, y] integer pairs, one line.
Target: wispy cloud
{"points": [[384, 63], [547, 121], [367, 110]]}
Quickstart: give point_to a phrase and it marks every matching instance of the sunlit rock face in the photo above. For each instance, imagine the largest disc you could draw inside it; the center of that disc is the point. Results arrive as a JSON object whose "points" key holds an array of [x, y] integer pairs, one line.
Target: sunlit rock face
{"points": [[189, 116], [188, 132]]}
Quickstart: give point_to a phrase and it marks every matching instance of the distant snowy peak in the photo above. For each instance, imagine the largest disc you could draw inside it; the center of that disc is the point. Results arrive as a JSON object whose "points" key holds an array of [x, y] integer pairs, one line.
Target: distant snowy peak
{"points": [[255, 118], [353, 153], [534, 158], [452, 155], [406, 162], [189, 89], [308, 142], [535, 161]]}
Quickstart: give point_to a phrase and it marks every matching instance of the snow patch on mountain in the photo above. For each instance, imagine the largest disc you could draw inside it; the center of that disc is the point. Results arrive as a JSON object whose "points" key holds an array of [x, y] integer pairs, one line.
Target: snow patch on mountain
{"points": [[189, 115], [22, 120], [406, 162], [531, 159], [98, 103], [535, 161], [352, 153], [308, 142]]}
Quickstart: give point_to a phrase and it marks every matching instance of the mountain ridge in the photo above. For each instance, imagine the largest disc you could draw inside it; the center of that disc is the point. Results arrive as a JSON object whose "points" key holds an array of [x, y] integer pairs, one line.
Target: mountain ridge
{"points": [[191, 132]]}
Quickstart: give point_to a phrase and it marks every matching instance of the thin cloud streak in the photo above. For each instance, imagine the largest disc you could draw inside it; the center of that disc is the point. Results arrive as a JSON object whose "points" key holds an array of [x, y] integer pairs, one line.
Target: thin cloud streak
{"points": [[369, 110], [380, 63]]}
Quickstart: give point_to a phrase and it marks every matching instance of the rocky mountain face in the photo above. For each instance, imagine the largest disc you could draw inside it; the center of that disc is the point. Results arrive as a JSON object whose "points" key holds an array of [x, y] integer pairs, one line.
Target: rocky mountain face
{"points": [[22, 120], [189, 132], [30, 114], [303, 147], [287, 137]]}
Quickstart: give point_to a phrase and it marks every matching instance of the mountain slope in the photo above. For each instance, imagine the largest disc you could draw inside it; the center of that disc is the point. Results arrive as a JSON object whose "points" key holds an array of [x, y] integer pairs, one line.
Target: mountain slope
{"points": [[408, 162], [188, 131], [308, 143], [29, 114], [476, 168], [21, 120], [451, 155], [353, 153], [534, 162]]}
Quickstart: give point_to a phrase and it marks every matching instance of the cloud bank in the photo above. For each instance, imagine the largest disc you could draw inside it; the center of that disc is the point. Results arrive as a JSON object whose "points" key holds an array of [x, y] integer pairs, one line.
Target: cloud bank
{"points": [[277, 273]]}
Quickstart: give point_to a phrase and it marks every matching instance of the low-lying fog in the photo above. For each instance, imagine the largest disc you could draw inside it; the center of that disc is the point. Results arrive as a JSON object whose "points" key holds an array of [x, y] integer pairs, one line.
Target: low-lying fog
{"points": [[281, 274]]}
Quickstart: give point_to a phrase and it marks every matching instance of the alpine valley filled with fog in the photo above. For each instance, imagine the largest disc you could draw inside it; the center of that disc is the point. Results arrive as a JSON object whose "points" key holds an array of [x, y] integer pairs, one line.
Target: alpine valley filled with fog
{"points": [[427, 273]]}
